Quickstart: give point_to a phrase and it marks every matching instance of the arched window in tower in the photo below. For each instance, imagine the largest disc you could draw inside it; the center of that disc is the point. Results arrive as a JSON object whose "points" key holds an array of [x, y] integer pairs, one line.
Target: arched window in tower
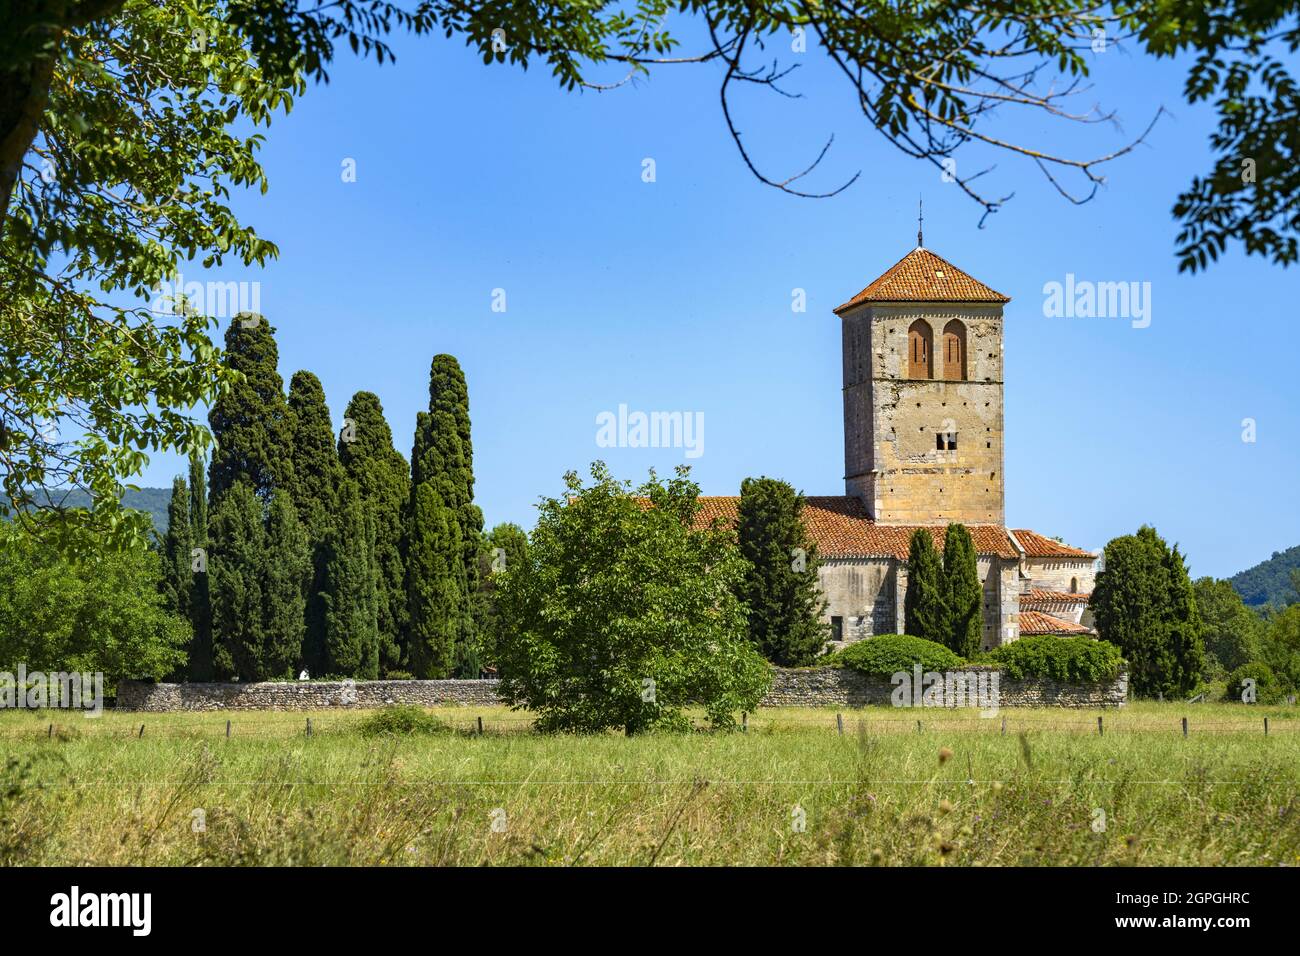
{"points": [[919, 346], [954, 351]]}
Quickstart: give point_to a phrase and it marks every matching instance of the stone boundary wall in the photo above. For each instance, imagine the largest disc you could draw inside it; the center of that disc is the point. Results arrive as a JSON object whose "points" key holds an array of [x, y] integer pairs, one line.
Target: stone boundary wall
{"points": [[831, 686], [304, 695], [807, 687]]}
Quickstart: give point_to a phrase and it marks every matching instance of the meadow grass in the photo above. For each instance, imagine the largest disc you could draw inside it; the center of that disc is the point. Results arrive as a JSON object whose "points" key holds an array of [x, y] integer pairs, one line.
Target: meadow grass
{"points": [[791, 790]]}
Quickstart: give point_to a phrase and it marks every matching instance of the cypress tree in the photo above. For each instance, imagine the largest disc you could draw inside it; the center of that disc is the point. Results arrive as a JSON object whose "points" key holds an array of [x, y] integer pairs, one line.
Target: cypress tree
{"points": [[924, 611], [504, 547], [1143, 602], [235, 568], [200, 657], [443, 458], [177, 581], [317, 474], [176, 576], [198, 510], [351, 625], [1183, 627], [779, 587], [383, 480], [250, 421], [286, 568], [436, 593], [965, 596]]}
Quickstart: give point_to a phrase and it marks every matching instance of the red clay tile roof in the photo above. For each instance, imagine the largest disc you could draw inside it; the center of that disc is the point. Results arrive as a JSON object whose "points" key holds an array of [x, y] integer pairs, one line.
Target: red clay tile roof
{"points": [[1044, 596], [839, 526], [1037, 546], [1036, 622], [921, 276]]}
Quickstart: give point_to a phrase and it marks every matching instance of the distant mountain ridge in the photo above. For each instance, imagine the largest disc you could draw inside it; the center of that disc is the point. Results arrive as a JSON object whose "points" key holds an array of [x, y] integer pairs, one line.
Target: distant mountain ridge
{"points": [[152, 501], [1269, 582]]}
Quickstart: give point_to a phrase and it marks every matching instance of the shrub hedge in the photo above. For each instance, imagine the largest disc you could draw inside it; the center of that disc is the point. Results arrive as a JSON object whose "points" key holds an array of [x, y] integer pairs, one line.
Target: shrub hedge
{"points": [[1268, 689], [887, 654], [401, 720], [1074, 659]]}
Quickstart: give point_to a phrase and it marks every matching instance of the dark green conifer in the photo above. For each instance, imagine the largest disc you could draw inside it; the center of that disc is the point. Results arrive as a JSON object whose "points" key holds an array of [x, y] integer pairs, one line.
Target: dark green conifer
{"points": [[964, 594], [383, 479], [351, 625], [779, 589], [442, 458], [250, 421], [435, 581], [286, 568], [925, 612]]}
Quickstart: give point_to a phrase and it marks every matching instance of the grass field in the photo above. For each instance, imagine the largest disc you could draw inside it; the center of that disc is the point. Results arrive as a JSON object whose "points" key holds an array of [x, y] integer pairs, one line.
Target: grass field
{"points": [[1049, 790]]}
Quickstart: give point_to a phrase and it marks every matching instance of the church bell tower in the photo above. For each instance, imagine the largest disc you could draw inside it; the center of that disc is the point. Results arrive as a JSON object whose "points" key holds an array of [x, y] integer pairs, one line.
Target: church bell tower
{"points": [[923, 395]]}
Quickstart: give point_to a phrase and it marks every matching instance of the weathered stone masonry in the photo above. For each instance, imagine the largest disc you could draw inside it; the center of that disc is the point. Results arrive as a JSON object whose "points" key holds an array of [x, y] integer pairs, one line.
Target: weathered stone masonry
{"points": [[837, 687], [304, 695], [810, 687]]}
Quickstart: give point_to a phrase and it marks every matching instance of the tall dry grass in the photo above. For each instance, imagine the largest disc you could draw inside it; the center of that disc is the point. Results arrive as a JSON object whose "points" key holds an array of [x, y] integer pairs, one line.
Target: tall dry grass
{"points": [[792, 790]]}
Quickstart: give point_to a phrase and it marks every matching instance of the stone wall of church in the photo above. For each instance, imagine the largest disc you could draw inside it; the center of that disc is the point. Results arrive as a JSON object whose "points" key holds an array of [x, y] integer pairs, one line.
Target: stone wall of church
{"points": [[867, 595], [1057, 574], [861, 593]]}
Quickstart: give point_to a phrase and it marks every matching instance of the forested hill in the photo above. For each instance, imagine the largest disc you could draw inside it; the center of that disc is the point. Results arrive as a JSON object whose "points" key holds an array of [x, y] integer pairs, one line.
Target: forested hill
{"points": [[1269, 582], [152, 501]]}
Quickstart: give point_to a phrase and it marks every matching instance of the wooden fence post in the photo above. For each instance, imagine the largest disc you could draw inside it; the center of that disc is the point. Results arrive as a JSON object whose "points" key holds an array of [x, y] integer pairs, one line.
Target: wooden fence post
{"points": [[308, 726], [1265, 726], [744, 722], [1184, 726], [480, 726], [141, 734], [1100, 732], [839, 723], [227, 730]]}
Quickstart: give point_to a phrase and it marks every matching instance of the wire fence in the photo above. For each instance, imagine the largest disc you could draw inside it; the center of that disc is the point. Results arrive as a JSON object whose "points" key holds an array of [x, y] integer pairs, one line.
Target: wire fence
{"points": [[287, 726]]}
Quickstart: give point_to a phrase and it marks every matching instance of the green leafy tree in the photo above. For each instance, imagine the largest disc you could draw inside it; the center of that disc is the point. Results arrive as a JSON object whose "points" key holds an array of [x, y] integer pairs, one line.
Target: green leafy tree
{"points": [[779, 588], [383, 479], [964, 596], [107, 613], [250, 420], [925, 608], [124, 127], [317, 475], [351, 608], [1143, 602], [1231, 631], [435, 584], [623, 615], [235, 564], [285, 569], [443, 458], [1280, 647]]}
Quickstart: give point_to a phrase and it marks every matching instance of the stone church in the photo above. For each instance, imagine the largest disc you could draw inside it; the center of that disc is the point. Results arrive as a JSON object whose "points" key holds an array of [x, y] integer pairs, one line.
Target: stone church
{"points": [[923, 446]]}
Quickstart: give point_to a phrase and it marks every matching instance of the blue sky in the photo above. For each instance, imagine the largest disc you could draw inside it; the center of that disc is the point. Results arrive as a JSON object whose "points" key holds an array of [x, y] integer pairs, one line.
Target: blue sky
{"points": [[676, 294]]}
